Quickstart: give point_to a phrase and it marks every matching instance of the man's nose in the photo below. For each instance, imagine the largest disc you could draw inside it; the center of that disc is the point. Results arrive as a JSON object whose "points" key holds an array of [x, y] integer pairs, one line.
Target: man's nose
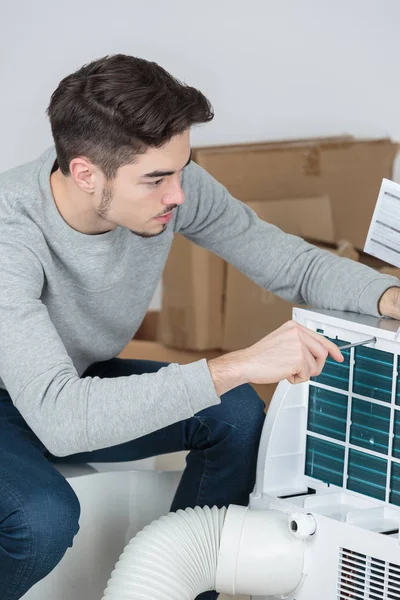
{"points": [[175, 194]]}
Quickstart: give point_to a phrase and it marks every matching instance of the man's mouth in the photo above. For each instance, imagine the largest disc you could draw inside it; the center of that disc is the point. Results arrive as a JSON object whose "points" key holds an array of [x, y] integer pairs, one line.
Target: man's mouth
{"points": [[166, 216]]}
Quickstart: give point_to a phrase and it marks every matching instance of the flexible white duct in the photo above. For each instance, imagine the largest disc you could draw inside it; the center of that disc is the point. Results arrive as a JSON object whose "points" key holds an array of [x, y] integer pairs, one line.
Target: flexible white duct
{"points": [[183, 554], [173, 558]]}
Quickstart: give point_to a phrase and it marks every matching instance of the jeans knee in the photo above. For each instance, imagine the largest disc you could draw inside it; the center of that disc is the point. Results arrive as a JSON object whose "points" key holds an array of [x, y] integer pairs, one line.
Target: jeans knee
{"points": [[42, 526], [60, 523], [241, 414], [247, 409]]}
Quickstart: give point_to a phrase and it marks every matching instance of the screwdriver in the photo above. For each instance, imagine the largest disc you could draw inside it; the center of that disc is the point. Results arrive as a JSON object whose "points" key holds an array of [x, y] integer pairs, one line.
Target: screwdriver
{"points": [[369, 341]]}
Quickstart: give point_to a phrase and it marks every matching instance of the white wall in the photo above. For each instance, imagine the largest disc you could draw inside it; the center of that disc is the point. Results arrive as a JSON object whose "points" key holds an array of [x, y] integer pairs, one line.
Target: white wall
{"points": [[272, 68]]}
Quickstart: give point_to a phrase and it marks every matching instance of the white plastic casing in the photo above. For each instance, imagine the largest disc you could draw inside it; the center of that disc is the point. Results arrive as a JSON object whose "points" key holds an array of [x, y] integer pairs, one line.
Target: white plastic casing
{"points": [[258, 553], [355, 548]]}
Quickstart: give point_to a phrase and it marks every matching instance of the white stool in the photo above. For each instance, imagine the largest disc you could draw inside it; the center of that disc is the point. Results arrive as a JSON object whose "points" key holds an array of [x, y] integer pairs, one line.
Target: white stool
{"points": [[117, 500], [116, 503]]}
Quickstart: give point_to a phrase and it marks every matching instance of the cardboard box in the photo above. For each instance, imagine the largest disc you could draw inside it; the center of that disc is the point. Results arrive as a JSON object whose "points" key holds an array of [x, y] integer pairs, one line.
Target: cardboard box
{"points": [[376, 263], [391, 271], [347, 171], [192, 294], [148, 330], [252, 312]]}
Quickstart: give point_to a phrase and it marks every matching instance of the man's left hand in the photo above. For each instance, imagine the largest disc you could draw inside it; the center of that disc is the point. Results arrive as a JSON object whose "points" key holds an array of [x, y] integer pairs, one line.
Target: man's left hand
{"points": [[389, 303]]}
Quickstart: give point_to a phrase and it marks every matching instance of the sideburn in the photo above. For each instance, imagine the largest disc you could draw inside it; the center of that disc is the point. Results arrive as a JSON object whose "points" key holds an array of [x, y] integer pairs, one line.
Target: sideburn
{"points": [[105, 203]]}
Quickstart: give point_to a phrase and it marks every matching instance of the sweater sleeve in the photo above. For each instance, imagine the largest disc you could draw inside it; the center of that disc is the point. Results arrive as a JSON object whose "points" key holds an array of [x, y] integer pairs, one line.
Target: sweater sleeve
{"points": [[70, 414], [282, 263]]}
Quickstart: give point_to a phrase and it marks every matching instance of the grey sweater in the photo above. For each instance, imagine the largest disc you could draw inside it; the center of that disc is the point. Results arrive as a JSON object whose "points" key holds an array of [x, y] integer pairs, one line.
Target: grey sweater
{"points": [[68, 300]]}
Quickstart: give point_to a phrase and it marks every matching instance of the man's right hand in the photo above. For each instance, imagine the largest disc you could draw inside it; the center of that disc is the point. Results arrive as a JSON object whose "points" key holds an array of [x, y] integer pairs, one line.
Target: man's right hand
{"points": [[292, 352]]}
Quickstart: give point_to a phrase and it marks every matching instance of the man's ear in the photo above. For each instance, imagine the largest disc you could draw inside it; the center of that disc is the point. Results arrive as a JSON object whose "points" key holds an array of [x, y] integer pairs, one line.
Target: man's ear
{"points": [[85, 174]]}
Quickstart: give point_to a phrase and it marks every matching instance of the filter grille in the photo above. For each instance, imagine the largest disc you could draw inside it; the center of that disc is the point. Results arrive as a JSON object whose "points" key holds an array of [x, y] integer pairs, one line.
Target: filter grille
{"points": [[363, 577], [353, 425]]}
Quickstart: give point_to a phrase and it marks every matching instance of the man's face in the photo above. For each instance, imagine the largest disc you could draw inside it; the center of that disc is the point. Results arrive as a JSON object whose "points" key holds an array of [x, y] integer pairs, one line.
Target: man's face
{"points": [[143, 195]]}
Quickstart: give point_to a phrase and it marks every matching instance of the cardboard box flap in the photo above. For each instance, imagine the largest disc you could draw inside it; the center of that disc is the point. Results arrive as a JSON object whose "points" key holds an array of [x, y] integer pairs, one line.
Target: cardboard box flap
{"points": [[274, 144], [305, 217], [339, 141]]}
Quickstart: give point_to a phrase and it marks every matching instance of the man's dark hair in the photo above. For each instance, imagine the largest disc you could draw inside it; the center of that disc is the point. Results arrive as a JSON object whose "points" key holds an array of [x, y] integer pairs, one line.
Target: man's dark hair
{"points": [[116, 107]]}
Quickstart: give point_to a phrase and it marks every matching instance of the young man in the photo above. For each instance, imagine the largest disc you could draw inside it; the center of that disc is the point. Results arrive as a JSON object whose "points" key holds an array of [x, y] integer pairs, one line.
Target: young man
{"points": [[85, 231]]}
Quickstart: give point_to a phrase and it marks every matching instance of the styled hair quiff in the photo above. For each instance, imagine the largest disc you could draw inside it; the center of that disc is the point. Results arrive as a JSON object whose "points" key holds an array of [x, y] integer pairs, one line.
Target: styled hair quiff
{"points": [[114, 108]]}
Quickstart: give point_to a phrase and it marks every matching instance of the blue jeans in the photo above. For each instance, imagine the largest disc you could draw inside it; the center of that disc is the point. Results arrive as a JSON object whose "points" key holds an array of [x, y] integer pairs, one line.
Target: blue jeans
{"points": [[39, 511]]}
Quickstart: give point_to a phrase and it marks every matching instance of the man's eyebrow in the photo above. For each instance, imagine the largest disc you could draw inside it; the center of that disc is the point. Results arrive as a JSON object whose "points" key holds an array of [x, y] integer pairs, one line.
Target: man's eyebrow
{"points": [[166, 173]]}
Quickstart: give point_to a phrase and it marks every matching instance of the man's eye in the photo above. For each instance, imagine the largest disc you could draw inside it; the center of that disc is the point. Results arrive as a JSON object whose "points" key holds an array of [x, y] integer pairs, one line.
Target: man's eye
{"points": [[155, 183]]}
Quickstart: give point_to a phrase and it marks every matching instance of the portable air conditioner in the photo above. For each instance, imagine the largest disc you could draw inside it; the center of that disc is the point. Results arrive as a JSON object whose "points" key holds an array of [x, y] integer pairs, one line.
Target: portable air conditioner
{"points": [[323, 519], [331, 448]]}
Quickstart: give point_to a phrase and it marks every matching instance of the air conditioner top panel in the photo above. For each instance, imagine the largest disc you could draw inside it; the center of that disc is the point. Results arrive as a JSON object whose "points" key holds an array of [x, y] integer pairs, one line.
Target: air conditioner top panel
{"points": [[388, 327]]}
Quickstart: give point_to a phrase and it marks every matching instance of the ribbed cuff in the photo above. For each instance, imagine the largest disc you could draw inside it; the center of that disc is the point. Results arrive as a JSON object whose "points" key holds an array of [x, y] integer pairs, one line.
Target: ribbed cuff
{"points": [[199, 385], [371, 294]]}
